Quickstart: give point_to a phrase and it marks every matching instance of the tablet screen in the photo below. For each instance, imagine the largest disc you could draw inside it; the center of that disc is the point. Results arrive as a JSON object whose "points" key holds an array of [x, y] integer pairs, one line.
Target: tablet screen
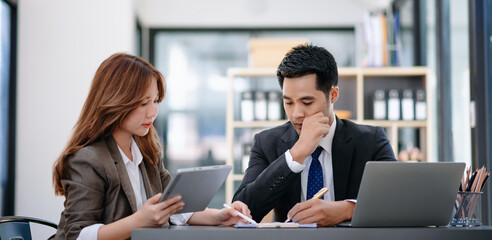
{"points": [[197, 186]]}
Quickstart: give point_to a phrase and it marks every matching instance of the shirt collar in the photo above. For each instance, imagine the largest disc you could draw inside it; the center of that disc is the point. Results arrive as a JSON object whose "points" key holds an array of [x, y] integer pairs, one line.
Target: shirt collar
{"points": [[136, 154], [327, 141]]}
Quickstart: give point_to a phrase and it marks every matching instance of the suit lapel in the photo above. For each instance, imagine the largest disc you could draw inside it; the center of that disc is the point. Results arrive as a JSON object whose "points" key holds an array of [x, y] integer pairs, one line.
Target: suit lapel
{"points": [[342, 149], [146, 180], [288, 140], [126, 185]]}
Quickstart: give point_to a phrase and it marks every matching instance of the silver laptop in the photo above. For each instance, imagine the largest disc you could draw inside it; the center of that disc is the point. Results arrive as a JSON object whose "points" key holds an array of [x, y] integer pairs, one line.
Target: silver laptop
{"points": [[406, 194]]}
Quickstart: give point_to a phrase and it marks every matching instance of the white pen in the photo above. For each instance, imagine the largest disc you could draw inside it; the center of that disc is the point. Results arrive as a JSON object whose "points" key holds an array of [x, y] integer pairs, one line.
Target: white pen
{"points": [[241, 215]]}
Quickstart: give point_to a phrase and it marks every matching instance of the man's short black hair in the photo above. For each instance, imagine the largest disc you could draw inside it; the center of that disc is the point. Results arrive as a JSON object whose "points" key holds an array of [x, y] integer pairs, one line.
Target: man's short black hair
{"points": [[307, 59]]}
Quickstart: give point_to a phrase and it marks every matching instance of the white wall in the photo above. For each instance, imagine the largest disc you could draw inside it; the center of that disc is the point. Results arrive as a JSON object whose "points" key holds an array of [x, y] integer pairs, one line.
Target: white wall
{"points": [[249, 13], [60, 45]]}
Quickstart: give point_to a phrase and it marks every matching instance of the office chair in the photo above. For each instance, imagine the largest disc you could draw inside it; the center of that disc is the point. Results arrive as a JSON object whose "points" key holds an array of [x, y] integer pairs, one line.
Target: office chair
{"points": [[18, 228]]}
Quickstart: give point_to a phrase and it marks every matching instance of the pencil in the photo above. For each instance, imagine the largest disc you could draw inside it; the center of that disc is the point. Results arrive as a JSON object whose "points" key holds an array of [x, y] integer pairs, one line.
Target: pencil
{"points": [[319, 194]]}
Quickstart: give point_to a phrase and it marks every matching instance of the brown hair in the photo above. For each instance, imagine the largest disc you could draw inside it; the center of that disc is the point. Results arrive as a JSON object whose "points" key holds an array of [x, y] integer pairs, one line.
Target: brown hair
{"points": [[118, 88]]}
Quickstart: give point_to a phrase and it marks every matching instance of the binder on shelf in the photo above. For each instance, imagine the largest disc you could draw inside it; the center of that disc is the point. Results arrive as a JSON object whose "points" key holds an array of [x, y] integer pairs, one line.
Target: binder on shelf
{"points": [[393, 105], [247, 107], [420, 105], [378, 39], [384, 38], [379, 105], [245, 157], [274, 106], [407, 105], [260, 106]]}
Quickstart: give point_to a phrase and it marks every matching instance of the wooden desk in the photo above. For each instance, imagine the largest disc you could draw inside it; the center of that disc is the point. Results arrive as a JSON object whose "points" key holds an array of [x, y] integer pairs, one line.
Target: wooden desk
{"points": [[230, 233]]}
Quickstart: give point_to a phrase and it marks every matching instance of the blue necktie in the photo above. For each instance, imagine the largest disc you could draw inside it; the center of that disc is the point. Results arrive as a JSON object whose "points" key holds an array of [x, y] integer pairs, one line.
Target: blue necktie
{"points": [[315, 177]]}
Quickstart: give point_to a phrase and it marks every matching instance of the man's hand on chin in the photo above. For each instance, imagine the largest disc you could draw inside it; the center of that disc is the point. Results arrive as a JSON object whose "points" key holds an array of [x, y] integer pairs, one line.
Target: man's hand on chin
{"points": [[324, 213]]}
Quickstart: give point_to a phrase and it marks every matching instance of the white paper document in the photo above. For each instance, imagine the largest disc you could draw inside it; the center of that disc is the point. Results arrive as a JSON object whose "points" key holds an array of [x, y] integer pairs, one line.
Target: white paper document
{"points": [[275, 225]]}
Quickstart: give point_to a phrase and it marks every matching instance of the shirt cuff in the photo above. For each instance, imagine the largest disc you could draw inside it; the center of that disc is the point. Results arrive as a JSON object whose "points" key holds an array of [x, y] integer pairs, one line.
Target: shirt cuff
{"points": [[90, 232], [293, 165], [180, 219], [351, 200]]}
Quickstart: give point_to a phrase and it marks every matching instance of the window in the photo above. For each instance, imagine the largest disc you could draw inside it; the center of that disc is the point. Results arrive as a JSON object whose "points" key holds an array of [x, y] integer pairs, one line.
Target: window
{"points": [[5, 105]]}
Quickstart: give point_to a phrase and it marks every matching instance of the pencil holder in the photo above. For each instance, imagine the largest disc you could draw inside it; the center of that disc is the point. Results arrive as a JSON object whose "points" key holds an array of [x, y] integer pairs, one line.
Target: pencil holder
{"points": [[467, 210]]}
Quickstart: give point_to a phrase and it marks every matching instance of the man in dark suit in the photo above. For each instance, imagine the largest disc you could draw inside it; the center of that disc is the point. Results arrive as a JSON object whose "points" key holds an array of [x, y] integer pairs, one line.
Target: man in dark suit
{"points": [[284, 168]]}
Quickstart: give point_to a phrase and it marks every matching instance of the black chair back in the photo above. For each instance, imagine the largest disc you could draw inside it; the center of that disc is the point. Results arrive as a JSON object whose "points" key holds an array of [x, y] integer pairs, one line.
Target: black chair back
{"points": [[18, 227], [15, 231]]}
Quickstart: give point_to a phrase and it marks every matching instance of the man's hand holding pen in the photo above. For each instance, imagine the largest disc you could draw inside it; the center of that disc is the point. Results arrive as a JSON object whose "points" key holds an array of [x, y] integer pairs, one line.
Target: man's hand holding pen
{"points": [[324, 213]]}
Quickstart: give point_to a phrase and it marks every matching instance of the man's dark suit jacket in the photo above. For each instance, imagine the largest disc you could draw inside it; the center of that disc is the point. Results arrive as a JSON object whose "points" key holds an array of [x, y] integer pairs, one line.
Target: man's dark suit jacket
{"points": [[270, 184]]}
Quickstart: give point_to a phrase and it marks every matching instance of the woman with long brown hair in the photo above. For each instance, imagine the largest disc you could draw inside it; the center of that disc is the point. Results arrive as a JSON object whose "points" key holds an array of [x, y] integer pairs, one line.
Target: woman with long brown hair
{"points": [[111, 171]]}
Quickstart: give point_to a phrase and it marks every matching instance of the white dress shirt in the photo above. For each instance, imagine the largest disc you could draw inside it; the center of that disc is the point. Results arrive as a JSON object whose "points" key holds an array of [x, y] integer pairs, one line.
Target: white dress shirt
{"points": [[325, 158], [90, 232]]}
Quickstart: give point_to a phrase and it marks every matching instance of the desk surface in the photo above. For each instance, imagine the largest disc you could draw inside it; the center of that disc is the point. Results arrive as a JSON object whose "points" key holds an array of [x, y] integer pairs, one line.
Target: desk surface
{"points": [[217, 233]]}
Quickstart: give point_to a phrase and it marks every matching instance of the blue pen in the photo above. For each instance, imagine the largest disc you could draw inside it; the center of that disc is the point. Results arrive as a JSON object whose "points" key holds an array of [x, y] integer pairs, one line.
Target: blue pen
{"points": [[241, 215]]}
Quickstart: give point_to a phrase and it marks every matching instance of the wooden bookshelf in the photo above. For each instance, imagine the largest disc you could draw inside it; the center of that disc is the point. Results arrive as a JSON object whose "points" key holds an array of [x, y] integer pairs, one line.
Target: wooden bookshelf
{"points": [[355, 84]]}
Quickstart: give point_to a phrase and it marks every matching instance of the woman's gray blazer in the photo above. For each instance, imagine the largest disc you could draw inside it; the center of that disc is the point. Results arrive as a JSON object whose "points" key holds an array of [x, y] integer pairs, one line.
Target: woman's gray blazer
{"points": [[98, 189]]}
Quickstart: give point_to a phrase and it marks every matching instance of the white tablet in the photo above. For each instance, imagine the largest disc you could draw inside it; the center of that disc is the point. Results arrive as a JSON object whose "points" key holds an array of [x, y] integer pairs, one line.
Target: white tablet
{"points": [[197, 186]]}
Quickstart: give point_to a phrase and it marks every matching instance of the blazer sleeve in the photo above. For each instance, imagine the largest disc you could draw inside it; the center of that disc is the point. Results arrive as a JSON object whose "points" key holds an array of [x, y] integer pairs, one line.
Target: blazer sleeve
{"points": [[84, 188], [382, 147], [265, 181]]}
